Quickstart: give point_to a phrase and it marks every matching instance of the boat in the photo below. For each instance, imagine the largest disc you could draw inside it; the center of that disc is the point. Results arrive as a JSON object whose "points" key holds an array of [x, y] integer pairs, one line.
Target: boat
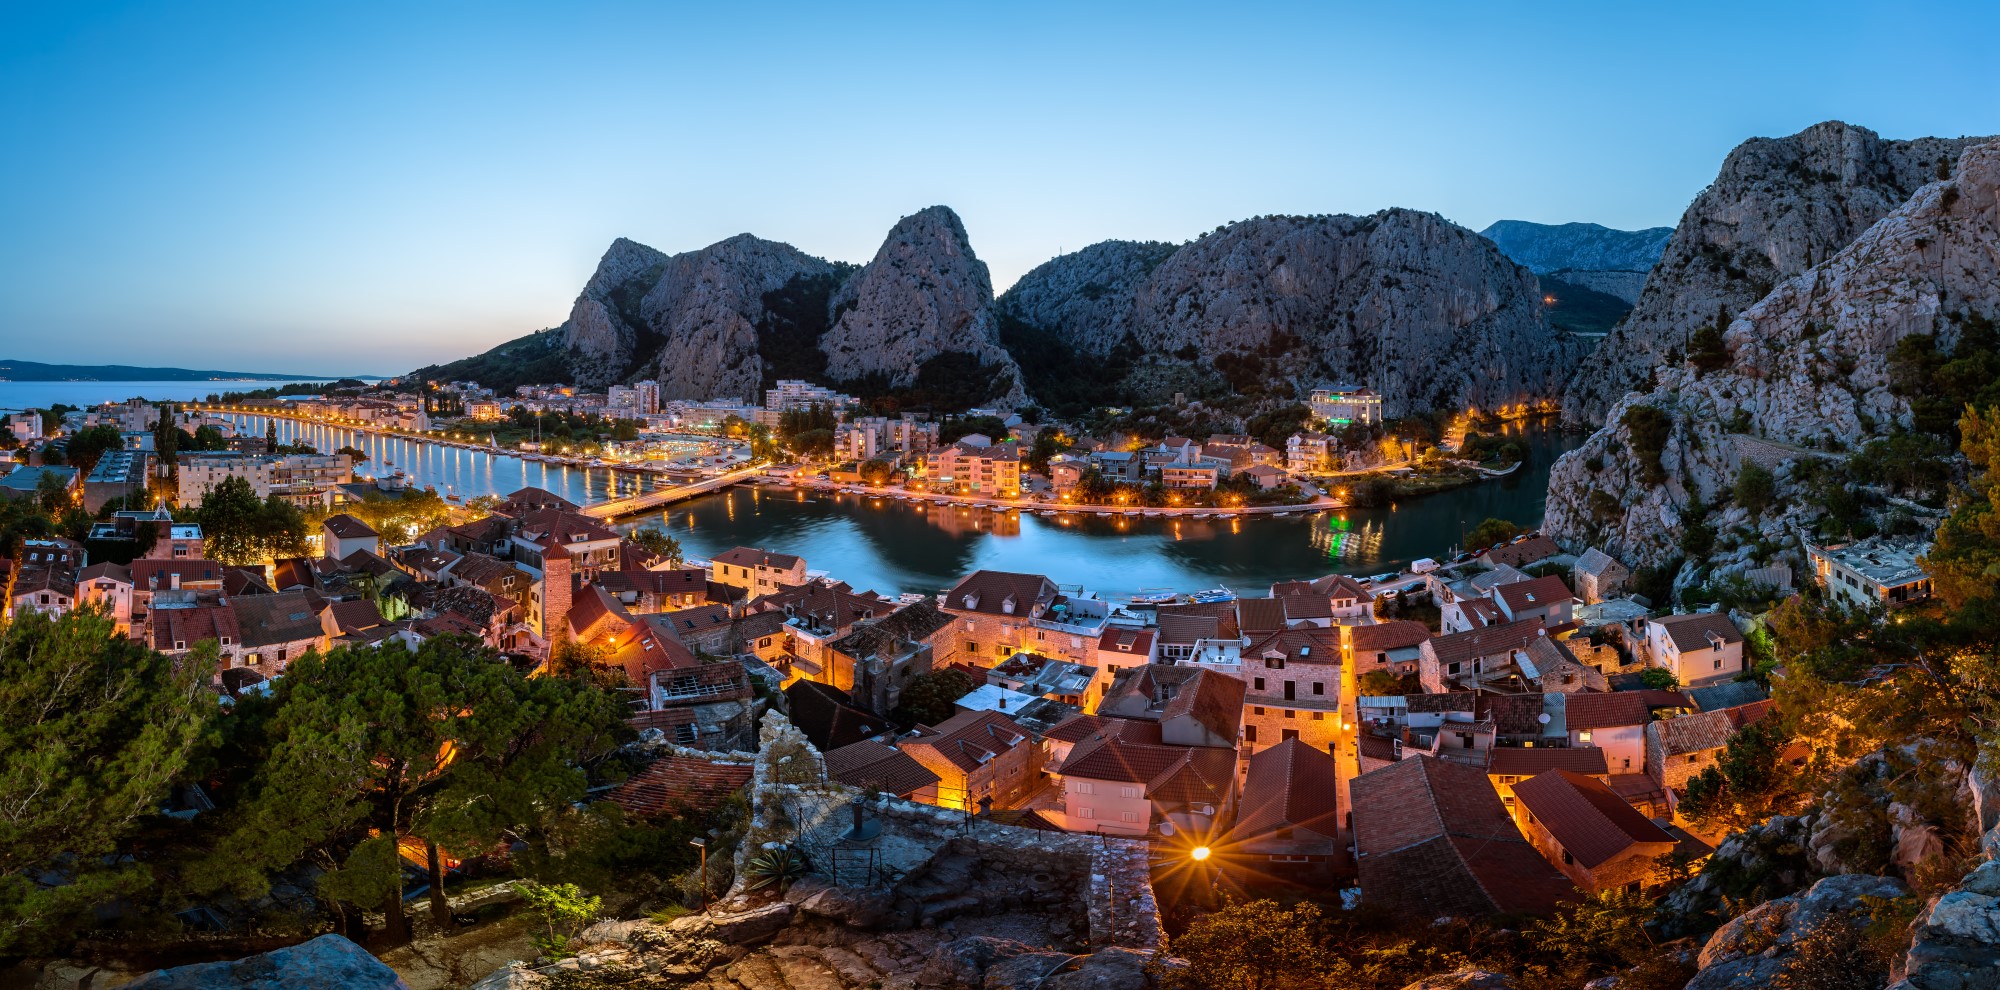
{"points": [[1155, 597], [1153, 513], [1212, 596]]}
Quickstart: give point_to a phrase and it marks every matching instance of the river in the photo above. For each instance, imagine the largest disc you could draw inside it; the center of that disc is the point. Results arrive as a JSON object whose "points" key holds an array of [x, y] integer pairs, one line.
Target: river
{"points": [[891, 546]]}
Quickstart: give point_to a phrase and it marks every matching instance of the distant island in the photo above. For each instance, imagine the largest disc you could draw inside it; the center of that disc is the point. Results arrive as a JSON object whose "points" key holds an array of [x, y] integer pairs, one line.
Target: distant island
{"points": [[34, 371]]}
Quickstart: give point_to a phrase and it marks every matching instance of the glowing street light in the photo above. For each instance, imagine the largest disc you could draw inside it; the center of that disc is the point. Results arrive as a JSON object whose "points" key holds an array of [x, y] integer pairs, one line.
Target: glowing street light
{"points": [[1200, 853]]}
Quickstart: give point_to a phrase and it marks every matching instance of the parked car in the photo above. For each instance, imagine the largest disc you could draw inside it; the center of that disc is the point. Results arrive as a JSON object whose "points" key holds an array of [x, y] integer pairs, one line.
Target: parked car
{"points": [[1423, 565]]}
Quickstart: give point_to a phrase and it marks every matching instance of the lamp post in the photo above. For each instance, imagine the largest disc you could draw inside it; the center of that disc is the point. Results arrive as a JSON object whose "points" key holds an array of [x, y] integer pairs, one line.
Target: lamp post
{"points": [[702, 844]]}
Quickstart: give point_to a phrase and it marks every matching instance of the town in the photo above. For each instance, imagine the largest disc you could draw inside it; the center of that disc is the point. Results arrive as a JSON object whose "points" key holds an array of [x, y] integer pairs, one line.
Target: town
{"points": [[1330, 732]]}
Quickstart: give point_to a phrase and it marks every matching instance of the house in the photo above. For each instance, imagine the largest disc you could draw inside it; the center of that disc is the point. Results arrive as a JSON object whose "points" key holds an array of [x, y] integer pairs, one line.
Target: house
{"points": [[118, 474], [1432, 840], [1678, 749], [1288, 819], [642, 589], [342, 534], [1293, 689], [178, 631], [1598, 576], [1306, 453], [869, 764], [1544, 598], [1194, 707], [817, 613], [1510, 765], [1589, 833], [879, 657], [757, 572], [1127, 778], [704, 629], [708, 706], [978, 757], [1703, 648], [1037, 676], [1265, 476], [1345, 404], [1120, 647], [1000, 613], [46, 587], [1394, 646], [1521, 552], [1448, 726], [828, 718], [277, 629], [1873, 573], [24, 483], [1461, 658], [1614, 722], [109, 587], [975, 466]]}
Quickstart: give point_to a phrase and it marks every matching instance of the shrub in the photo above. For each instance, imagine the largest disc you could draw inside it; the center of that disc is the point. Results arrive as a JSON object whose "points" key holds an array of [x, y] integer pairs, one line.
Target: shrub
{"points": [[564, 910], [1649, 428], [1755, 488]]}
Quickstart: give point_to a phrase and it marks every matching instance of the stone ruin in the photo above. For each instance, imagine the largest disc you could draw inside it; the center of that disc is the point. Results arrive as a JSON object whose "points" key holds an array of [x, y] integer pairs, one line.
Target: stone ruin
{"points": [[901, 895]]}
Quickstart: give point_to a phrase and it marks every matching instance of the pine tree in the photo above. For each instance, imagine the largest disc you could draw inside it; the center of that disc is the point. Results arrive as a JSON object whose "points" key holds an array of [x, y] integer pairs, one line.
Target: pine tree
{"points": [[94, 731]]}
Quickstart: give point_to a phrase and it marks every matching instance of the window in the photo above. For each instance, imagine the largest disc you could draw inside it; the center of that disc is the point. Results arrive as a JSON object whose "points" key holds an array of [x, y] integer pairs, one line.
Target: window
{"points": [[180, 644], [1289, 734], [1128, 816], [1291, 690], [1567, 858], [225, 641], [1291, 714], [1086, 813], [971, 647], [766, 641], [1260, 684], [1084, 787], [1256, 709], [1319, 716], [1319, 687], [1718, 661], [1452, 669], [1249, 733], [1583, 735], [1129, 792]]}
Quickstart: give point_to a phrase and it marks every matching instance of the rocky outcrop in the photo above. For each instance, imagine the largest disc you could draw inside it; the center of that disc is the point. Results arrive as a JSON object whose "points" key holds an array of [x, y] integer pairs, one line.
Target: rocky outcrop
{"points": [[603, 327], [1778, 207], [1583, 247], [1623, 285], [1086, 296], [1957, 941], [1464, 979], [328, 962], [1756, 946], [925, 294], [688, 320], [1806, 369], [705, 310], [1426, 312]]}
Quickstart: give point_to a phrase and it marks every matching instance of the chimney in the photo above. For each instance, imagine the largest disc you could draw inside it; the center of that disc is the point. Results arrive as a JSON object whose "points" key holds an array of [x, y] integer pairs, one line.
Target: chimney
{"points": [[1003, 701], [174, 580]]}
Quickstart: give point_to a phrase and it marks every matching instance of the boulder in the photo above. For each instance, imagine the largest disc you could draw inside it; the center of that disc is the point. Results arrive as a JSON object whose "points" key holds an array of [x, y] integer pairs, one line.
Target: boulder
{"points": [[865, 908], [1957, 947], [1754, 947], [961, 964], [734, 928], [328, 962], [1112, 968]]}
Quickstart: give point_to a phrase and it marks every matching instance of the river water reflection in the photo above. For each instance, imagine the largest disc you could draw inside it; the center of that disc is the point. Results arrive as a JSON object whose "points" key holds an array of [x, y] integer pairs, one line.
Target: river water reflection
{"points": [[891, 546]]}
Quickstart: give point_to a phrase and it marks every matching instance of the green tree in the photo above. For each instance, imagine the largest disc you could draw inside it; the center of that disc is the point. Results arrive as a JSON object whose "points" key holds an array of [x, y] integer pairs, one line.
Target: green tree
{"points": [[877, 471], [657, 541], [1755, 488], [52, 493], [94, 731], [928, 698], [237, 528], [444, 747], [1659, 679], [90, 445], [1608, 928], [354, 454], [564, 910], [1256, 946], [1965, 558], [1490, 532], [1649, 427]]}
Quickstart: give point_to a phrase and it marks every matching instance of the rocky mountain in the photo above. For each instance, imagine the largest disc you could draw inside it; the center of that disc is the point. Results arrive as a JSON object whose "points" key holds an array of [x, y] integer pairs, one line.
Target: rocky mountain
{"points": [[1428, 313], [1585, 247], [1807, 373], [1778, 207], [924, 295], [688, 320]]}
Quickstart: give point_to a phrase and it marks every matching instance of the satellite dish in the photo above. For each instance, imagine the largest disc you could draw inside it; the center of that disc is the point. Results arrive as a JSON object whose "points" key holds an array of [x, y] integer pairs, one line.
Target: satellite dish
{"points": [[1167, 829], [1206, 809], [1543, 718]]}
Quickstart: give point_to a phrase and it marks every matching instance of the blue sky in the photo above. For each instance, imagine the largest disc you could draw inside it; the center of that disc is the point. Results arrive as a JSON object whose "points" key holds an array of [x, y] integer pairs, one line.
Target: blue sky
{"points": [[353, 187]]}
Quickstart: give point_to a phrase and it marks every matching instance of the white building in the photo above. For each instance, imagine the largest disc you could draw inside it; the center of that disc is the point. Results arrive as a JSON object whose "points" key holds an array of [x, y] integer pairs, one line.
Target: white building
{"points": [[1346, 404], [1872, 572], [1701, 648], [299, 478]]}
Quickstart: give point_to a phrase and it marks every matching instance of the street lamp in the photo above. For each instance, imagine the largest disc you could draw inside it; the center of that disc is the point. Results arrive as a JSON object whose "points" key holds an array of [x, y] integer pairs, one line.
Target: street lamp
{"points": [[702, 844], [1200, 853]]}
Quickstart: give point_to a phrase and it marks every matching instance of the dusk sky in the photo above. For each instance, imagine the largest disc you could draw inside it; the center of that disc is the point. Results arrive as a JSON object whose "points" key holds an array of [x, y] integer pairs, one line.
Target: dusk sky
{"points": [[268, 187]]}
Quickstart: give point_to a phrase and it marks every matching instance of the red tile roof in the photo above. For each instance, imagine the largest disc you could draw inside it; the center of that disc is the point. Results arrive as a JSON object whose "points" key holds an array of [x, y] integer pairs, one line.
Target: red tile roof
{"points": [[674, 784], [1138, 642], [1290, 785], [1488, 642], [346, 527], [1527, 761], [1541, 592], [1395, 634], [1590, 822], [872, 764], [1131, 751], [1604, 710], [970, 740], [1434, 840], [1691, 632], [1000, 593], [753, 557], [1527, 551]]}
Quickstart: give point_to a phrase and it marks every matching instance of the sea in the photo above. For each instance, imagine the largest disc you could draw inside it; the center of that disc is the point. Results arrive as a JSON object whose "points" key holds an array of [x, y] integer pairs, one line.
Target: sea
{"points": [[17, 396]]}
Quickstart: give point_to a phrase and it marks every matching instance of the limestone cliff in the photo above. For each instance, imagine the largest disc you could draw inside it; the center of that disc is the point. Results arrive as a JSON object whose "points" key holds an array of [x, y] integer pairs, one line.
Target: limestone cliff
{"points": [[1778, 207], [1428, 313], [688, 320], [1086, 296], [602, 329], [1806, 371], [925, 294]]}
